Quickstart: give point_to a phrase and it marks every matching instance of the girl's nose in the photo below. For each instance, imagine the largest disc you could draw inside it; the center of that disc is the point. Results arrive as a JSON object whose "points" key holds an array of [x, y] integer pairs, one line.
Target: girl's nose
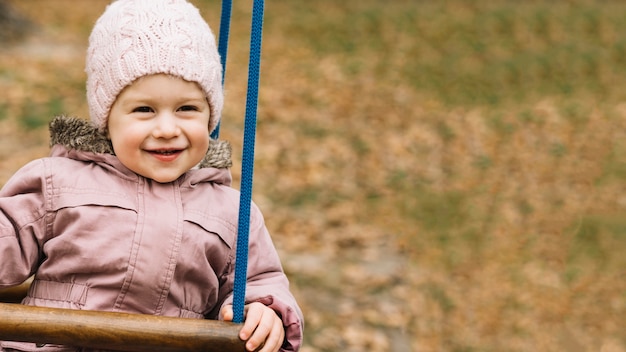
{"points": [[166, 126]]}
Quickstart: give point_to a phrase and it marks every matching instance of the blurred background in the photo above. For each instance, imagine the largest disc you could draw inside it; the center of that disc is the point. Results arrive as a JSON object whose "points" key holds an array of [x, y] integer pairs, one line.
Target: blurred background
{"points": [[436, 175]]}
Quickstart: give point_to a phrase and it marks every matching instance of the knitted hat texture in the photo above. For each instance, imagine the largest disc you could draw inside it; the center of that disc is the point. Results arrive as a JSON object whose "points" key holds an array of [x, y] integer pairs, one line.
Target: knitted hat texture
{"points": [[135, 38]]}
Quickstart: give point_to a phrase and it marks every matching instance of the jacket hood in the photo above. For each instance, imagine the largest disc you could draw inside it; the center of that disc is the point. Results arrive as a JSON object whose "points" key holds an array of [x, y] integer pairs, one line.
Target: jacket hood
{"points": [[82, 135]]}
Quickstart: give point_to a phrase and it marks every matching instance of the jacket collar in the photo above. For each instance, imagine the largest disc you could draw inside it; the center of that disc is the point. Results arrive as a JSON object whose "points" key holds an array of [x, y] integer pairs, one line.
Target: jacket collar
{"points": [[82, 135]]}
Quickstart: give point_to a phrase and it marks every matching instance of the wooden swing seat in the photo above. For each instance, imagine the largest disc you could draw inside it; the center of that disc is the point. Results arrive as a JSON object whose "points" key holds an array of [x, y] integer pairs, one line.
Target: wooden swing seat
{"points": [[109, 330]]}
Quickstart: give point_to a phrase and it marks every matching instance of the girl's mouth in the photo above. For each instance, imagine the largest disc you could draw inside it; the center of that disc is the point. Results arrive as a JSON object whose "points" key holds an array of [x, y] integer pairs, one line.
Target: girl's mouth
{"points": [[166, 154]]}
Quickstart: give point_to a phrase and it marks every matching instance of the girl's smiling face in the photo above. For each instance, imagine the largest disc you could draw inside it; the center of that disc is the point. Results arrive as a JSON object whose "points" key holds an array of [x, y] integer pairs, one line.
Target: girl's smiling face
{"points": [[158, 126]]}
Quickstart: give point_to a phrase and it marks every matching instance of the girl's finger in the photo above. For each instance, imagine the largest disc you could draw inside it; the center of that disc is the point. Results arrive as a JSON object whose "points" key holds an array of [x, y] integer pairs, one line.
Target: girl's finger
{"points": [[227, 313], [275, 339]]}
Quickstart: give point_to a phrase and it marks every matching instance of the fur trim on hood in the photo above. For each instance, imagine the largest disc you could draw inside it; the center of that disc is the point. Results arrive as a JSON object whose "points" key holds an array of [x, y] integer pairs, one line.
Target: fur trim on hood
{"points": [[79, 134]]}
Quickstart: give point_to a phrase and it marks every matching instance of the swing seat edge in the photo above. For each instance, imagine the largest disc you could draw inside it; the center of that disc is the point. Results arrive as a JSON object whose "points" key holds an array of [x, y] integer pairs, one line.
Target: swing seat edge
{"points": [[116, 331]]}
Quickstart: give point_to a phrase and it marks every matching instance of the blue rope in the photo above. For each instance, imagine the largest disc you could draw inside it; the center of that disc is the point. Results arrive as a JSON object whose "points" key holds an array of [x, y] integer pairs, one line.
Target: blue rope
{"points": [[222, 47], [247, 167]]}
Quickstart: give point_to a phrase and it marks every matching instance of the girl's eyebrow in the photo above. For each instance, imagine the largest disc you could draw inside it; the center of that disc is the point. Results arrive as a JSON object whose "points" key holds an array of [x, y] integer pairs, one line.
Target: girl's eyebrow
{"points": [[190, 98], [130, 100], [139, 97]]}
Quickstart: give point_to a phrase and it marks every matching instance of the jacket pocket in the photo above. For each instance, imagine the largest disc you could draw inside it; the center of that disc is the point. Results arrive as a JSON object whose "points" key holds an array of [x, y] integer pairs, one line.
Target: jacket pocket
{"points": [[214, 224], [71, 198]]}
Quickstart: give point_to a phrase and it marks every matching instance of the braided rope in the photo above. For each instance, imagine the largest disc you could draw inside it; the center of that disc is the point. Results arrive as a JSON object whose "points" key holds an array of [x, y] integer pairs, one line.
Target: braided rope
{"points": [[247, 166], [222, 47]]}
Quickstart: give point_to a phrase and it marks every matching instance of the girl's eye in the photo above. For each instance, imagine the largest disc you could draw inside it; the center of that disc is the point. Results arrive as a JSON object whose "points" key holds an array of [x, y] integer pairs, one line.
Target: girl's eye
{"points": [[142, 109], [188, 108]]}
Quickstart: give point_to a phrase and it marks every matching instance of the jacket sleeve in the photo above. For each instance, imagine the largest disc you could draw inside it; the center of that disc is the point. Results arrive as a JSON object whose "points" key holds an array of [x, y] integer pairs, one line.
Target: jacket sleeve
{"points": [[22, 224], [268, 284]]}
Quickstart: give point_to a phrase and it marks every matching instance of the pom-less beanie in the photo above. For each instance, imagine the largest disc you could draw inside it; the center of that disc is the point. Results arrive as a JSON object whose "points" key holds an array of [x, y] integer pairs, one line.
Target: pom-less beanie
{"points": [[135, 38]]}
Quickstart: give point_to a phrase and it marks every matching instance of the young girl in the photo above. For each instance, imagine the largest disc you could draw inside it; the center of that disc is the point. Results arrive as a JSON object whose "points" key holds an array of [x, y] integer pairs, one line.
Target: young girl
{"points": [[133, 210]]}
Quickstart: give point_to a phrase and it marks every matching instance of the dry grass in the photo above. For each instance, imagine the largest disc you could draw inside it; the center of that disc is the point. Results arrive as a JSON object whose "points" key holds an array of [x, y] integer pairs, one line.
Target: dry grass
{"points": [[437, 176]]}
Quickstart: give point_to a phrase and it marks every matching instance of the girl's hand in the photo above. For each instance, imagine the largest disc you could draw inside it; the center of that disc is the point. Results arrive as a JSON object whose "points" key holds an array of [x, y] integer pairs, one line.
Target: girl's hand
{"points": [[262, 329]]}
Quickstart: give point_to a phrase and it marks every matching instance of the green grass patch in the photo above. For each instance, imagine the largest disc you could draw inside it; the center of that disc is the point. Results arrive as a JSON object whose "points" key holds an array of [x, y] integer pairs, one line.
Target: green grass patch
{"points": [[4, 111], [34, 116], [597, 244], [478, 53]]}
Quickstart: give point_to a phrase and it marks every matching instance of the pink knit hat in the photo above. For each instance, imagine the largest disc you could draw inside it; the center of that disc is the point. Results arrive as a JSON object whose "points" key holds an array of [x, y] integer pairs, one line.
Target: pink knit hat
{"points": [[135, 38]]}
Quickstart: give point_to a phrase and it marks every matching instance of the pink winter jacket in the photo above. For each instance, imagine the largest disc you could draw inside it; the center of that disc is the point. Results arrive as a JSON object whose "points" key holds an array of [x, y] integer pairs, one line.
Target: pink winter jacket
{"points": [[99, 237]]}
